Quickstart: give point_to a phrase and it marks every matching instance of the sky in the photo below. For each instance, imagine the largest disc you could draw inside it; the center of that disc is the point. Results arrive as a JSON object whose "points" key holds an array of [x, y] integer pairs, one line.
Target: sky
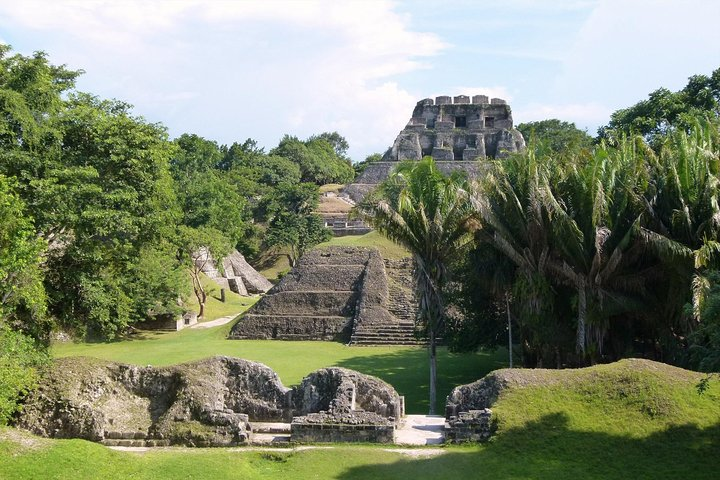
{"points": [[232, 70]]}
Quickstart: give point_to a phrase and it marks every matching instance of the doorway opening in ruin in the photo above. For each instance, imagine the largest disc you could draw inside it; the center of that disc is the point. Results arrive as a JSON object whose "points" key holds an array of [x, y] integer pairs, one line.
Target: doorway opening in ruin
{"points": [[489, 122], [460, 122], [458, 153]]}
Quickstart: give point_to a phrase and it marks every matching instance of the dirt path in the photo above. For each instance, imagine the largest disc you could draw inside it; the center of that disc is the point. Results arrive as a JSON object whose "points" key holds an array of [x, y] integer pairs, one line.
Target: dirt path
{"points": [[217, 322]]}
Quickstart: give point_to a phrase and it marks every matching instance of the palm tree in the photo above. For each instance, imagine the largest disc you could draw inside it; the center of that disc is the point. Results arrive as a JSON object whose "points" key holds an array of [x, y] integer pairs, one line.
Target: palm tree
{"points": [[515, 223], [429, 214], [685, 216], [596, 212]]}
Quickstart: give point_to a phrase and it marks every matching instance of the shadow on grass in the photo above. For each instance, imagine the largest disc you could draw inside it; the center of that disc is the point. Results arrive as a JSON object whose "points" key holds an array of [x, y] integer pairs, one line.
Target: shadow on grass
{"points": [[408, 371], [549, 449]]}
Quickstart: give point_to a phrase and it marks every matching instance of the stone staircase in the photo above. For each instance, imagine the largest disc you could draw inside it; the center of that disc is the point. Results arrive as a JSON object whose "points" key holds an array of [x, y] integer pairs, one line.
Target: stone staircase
{"points": [[132, 439], [401, 333], [400, 304]]}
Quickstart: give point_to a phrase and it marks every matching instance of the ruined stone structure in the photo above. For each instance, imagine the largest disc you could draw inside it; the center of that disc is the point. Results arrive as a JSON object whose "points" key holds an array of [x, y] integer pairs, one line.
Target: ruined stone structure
{"points": [[468, 417], [472, 426], [212, 402], [456, 132], [237, 274], [335, 210], [170, 322], [339, 293], [458, 129]]}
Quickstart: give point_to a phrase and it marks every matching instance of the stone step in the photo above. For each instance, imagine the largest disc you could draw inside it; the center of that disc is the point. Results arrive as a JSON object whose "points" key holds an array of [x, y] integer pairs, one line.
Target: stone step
{"points": [[372, 334], [387, 342], [384, 339], [383, 336], [270, 439], [270, 428], [115, 442]]}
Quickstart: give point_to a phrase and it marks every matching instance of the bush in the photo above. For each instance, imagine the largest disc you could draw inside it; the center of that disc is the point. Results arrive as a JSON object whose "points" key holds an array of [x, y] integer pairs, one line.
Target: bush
{"points": [[20, 363]]}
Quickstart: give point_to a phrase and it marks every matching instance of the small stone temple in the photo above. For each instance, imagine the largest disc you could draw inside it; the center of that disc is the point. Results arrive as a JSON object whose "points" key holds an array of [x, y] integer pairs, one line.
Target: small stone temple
{"points": [[346, 294], [455, 131]]}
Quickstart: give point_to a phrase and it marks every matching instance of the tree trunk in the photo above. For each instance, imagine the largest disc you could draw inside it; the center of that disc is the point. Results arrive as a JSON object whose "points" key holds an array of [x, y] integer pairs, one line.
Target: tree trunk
{"points": [[582, 311], [199, 292], [433, 372], [507, 307]]}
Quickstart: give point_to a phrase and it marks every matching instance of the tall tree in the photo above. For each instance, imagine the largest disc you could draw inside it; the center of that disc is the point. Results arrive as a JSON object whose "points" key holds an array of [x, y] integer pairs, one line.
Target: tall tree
{"points": [[109, 198], [596, 213], [515, 223], [293, 223], [655, 117], [22, 295], [429, 214], [558, 136], [317, 158], [198, 246]]}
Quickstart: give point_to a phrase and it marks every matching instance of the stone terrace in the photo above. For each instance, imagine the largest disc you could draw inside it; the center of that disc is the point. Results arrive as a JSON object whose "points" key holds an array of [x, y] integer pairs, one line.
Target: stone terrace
{"points": [[339, 293]]}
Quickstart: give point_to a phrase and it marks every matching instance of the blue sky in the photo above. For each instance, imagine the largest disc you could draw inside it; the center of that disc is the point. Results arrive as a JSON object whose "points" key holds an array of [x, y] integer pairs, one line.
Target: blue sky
{"points": [[231, 70]]}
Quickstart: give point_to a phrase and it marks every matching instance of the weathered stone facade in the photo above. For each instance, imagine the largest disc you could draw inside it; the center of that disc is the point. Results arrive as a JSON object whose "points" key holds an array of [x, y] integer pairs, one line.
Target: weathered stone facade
{"points": [[212, 402], [472, 426], [342, 405], [468, 417], [237, 274], [456, 132], [333, 293], [459, 129]]}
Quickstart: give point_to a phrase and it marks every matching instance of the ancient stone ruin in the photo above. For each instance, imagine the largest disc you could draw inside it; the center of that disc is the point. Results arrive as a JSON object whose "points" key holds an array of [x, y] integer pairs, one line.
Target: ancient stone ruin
{"points": [[459, 129], [346, 294], [212, 402], [456, 132], [237, 274], [468, 417]]}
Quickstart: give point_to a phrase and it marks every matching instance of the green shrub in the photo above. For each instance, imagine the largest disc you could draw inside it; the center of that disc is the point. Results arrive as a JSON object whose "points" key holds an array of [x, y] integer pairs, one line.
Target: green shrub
{"points": [[20, 363]]}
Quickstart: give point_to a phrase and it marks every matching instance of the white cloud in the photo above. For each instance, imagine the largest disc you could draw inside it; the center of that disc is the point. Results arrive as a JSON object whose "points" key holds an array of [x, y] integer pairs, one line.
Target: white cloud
{"points": [[230, 70], [626, 49], [584, 115]]}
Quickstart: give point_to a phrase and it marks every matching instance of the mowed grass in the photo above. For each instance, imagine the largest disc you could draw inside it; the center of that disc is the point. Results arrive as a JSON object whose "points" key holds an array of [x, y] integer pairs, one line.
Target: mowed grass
{"points": [[618, 421], [214, 308], [406, 368]]}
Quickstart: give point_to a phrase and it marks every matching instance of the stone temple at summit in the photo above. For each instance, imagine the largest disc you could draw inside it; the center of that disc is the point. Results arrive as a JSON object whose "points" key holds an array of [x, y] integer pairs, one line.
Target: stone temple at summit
{"points": [[455, 131]]}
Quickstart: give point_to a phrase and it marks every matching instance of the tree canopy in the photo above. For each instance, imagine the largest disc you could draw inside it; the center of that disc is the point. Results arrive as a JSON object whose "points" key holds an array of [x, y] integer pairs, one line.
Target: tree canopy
{"points": [[655, 116]]}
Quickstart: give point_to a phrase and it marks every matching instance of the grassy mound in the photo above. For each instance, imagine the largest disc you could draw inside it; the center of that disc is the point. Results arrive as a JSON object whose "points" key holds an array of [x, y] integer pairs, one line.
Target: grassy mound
{"points": [[632, 419], [631, 397]]}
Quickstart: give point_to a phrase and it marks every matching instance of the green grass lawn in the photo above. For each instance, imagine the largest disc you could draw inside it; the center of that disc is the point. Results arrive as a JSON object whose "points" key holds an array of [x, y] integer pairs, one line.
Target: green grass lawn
{"points": [[610, 422], [406, 368], [214, 308]]}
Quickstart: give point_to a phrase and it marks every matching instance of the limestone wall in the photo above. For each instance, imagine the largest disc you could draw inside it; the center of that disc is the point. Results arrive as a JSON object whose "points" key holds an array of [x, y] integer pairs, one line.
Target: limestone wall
{"points": [[451, 130], [212, 402]]}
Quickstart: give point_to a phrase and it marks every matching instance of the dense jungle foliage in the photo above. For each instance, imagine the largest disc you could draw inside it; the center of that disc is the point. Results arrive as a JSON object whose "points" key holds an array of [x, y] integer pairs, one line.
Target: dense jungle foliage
{"points": [[589, 249]]}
